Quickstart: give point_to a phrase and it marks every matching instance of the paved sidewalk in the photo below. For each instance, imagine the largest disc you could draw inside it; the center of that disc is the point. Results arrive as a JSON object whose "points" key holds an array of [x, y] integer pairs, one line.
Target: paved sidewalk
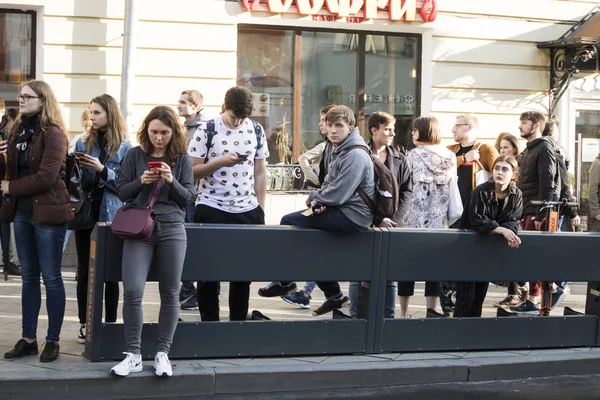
{"points": [[73, 376]]}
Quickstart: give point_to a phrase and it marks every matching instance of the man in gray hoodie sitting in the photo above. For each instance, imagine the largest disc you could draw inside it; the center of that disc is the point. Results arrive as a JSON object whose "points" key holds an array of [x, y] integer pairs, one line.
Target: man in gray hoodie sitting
{"points": [[337, 206]]}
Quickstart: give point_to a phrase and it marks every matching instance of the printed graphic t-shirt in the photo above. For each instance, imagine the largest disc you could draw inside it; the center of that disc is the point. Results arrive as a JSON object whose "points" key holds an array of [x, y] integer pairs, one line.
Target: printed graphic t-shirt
{"points": [[230, 189]]}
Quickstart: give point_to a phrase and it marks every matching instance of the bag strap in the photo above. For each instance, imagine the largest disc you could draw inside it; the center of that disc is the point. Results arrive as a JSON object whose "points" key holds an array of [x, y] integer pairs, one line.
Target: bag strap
{"points": [[363, 195], [155, 192]]}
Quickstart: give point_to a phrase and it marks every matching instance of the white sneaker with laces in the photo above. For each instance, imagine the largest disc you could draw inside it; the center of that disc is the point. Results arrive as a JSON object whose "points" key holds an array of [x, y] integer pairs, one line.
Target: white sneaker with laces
{"points": [[162, 365], [131, 363]]}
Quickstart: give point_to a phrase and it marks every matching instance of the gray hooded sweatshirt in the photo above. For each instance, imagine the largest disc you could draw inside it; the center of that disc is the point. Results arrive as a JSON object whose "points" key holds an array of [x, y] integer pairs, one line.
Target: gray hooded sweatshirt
{"points": [[347, 171]]}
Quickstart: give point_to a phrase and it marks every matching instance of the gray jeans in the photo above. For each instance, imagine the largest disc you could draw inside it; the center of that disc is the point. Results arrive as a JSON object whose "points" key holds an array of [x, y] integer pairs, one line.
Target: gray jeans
{"points": [[165, 250]]}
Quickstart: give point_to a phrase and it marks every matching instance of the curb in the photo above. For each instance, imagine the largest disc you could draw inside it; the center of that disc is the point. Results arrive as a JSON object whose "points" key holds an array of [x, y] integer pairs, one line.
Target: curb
{"points": [[193, 379]]}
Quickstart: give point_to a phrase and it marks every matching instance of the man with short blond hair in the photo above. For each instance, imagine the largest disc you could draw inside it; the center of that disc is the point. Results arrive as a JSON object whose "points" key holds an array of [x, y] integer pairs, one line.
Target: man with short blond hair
{"points": [[471, 157], [189, 106]]}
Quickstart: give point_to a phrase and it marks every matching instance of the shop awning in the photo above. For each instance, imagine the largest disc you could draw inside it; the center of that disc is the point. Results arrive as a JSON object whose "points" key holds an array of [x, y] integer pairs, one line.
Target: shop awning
{"points": [[576, 52], [584, 33]]}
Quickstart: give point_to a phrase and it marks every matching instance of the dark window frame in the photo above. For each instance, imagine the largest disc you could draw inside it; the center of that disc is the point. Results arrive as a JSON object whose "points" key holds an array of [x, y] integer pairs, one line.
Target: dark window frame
{"points": [[361, 59], [33, 55]]}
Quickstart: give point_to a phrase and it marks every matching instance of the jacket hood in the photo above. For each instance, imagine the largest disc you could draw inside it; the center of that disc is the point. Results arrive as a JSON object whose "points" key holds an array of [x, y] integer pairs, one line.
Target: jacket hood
{"points": [[200, 117], [353, 139], [547, 140], [437, 159]]}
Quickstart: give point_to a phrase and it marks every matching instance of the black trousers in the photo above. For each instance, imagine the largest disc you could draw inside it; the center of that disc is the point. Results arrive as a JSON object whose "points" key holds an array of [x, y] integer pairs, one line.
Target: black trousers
{"points": [[469, 298], [239, 292], [111, 289]]}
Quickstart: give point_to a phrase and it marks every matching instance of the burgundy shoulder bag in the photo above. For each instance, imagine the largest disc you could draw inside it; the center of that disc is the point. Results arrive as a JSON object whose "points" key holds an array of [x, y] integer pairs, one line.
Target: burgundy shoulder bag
{"points": [[137, 223]]}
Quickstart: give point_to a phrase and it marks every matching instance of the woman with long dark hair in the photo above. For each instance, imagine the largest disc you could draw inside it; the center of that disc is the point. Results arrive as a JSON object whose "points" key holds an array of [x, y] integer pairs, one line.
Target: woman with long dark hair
{"points": [[162, 141], [100, 152], [494, 207], [38, 203]]}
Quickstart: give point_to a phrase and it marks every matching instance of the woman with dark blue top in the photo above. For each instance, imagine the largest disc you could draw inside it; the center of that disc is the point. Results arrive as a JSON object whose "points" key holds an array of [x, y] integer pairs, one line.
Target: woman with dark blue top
{"points": [[100, 152], [494, 207]]}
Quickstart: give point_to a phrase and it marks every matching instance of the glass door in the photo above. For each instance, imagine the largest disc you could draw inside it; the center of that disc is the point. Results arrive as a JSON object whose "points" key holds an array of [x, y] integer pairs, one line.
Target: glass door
{"points": [[587, 129]]}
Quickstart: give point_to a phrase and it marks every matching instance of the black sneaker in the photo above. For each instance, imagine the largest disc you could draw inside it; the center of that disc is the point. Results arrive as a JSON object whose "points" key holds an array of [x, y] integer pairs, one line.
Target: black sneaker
{"points": [[185, 294], [12, 269], [432, 313], [503, 312], [331, 305], [570, 311], [276, 289], [22, 348], [50, 352], [190, 304]]}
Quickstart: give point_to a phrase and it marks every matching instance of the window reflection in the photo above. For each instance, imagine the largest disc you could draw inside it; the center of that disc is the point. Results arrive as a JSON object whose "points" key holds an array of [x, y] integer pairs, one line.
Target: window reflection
{"points": [[16, 52], [265, 66]]}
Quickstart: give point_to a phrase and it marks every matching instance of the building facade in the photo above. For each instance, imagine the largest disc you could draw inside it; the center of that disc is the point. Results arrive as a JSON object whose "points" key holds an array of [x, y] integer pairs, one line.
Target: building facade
{"points": [[455, 57]]}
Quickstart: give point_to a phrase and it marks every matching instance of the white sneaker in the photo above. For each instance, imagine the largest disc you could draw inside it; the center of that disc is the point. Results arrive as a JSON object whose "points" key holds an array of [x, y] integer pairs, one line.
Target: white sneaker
{"points": [[162, 365], [81, 335], [131, 363]]}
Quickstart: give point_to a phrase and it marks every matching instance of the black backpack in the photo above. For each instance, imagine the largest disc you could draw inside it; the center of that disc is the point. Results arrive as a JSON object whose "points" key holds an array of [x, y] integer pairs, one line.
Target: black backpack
{"points": [[386, 189]]}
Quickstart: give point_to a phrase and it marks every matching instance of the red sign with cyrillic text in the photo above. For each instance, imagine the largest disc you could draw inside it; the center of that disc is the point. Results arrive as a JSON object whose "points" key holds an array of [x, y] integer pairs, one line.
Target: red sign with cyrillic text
{"points": [[353, 10]]}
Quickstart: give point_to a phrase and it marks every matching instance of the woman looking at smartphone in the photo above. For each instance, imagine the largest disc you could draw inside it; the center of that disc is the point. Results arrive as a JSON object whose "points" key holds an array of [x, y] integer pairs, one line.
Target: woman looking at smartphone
{"points": [[494, 207], [100, 151], [38, 202], [162, 140]]}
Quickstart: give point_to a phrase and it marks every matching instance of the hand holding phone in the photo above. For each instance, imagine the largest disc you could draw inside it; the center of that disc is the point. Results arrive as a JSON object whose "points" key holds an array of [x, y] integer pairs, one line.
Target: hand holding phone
{"points": [[79, 154], [240, 155], [155, 166]]}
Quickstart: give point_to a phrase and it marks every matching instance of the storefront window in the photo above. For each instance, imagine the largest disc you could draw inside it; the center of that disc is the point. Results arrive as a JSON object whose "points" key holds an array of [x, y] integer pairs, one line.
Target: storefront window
{"points": [[391, 80], [362, 71], [265, 65], [17, 52], [329, 62]]}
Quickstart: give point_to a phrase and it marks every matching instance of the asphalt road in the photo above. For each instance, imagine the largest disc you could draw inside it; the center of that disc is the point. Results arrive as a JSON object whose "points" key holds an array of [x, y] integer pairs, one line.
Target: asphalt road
{"points": [[586, 387]]}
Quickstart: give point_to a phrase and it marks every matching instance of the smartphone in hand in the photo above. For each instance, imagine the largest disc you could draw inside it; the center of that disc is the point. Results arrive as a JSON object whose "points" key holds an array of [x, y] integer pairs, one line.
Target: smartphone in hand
{"points": [[240, 155], [154, 165], [79, 154]]}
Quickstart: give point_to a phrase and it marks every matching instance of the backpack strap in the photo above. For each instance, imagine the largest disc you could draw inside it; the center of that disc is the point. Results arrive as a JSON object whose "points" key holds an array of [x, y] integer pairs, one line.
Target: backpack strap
{"points": [[211, 132], [258, 133], [363, 195]]}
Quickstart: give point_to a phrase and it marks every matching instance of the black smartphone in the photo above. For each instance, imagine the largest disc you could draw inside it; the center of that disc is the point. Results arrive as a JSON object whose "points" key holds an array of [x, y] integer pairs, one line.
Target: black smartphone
{"points": [[242, 155]]}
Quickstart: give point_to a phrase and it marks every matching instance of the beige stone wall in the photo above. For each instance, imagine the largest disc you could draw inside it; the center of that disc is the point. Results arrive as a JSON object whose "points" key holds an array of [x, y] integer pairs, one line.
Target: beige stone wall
{"points": [[480, 56]]}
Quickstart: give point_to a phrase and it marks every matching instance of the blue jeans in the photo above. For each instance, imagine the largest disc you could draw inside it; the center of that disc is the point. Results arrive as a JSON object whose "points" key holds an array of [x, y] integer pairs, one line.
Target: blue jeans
{"points": [[39, 247], [309, 287], [389, 310], [331, 220]]}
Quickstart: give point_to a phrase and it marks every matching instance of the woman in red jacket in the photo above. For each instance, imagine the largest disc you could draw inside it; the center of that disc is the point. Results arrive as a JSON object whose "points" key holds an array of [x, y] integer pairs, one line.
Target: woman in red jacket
{"points": [[38, 203]]}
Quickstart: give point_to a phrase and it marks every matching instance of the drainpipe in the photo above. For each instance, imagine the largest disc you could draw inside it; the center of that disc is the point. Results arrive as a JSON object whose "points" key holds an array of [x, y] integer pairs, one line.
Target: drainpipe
{"points": [[128, 68]]}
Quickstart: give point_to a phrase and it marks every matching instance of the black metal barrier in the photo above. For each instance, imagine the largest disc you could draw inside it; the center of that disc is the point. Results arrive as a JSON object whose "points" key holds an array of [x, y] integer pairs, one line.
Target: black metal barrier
{"points": [[268, 253]]}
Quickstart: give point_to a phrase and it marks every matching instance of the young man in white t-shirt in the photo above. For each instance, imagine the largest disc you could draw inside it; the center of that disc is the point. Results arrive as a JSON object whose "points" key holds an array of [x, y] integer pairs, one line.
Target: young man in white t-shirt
{"points": [[230, 153]]}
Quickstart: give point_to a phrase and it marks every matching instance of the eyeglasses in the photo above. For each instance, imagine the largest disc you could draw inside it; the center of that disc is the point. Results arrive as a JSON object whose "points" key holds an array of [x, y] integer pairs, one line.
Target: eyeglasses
{"points": [[26, 97], [457, 125]]}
